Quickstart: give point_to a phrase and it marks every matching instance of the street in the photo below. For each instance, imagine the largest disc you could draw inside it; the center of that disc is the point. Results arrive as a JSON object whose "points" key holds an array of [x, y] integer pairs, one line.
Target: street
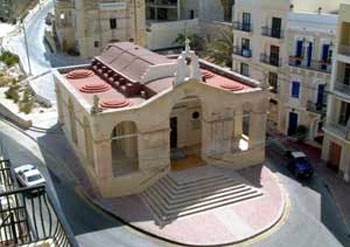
{"points": [[314, 219]]}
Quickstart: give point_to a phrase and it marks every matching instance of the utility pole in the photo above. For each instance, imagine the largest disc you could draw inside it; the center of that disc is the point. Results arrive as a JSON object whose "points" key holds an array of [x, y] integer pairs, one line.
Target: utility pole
{"points": [[26, 44]]}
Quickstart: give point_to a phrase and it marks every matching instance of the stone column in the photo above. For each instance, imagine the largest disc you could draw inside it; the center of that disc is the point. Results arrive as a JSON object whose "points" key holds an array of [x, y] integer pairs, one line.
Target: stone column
{"points": [[178, 10], [237, 128], [103, 160], [257, 129]]}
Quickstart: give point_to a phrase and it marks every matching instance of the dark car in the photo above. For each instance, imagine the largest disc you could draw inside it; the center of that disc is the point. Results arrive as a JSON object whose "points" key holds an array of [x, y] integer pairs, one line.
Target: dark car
{"points": [[299, 165]]}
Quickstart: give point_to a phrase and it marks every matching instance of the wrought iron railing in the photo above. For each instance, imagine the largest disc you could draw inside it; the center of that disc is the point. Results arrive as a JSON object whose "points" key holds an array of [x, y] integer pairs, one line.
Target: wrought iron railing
{"points": [[316, 107], [322, 66], [273, 32], [245, 27], [29, 215], [242, 52], [342, 87], [271, 60]]}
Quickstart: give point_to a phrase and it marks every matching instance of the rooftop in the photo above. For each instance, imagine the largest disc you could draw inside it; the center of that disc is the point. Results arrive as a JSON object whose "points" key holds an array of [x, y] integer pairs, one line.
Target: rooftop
{"points": [[126, 74]]}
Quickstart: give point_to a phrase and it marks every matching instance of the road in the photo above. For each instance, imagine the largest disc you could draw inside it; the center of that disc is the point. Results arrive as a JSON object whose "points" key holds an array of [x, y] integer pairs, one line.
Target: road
{"points": [[314, 219]]}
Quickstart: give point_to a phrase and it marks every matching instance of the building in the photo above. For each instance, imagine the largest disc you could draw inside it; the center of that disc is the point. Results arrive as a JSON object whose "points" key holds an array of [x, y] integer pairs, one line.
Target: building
{"points": [[14, 10], [289, 45], [132, 113], [336, 144], [86, 27]]}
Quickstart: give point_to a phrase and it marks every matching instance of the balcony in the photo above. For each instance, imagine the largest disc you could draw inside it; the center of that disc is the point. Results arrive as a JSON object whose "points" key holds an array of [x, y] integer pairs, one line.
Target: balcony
{"points": [[342, 88], [271, 60], [162, 3], [338, 130], [30, 216], [321, 66], [245, 27], [316, 107], [344, 50], [273, 32], [60, 4], [242, 52]]}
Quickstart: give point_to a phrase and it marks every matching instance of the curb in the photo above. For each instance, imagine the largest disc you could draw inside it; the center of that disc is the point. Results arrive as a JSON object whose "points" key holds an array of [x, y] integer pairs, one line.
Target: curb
{"points": [[282, 218], [284, 212]]}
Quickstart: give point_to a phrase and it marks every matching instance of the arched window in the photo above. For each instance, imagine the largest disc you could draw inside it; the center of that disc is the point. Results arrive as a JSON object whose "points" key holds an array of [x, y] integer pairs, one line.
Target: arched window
{"points": [[124, 148]]}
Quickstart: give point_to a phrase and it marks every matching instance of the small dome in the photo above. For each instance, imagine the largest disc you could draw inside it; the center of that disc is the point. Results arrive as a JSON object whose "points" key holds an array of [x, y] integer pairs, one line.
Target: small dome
{"points": [[115, 103], [231, 86], [95, 87], [207, 74], [80, 74]]}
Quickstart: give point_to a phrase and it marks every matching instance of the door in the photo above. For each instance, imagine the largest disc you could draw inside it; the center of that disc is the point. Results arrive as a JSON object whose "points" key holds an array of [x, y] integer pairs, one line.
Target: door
{"points": [[246, 22], [293, 123], [173, 132], [320, 96], [276, 27], [347, 75], [334, 155], [274, 55], [246, 47], [309, 54]]}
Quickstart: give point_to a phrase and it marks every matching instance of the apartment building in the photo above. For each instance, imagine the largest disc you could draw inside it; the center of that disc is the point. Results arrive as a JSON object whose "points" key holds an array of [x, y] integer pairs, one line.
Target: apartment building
{"points": [[336, 144], [86, 27], [13, 10], [288, 44], [166, 19]]}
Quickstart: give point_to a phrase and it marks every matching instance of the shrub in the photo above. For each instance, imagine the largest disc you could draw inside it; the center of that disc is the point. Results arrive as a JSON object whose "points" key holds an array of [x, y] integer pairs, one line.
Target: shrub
{"points": [[12, 92], [4, 81], [9, 58], [27, 107], [301, 132]]}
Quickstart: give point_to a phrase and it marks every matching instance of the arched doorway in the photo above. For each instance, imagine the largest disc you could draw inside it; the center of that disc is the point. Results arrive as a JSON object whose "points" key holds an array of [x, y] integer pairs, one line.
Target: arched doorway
{"points": [[186, 134], [124, 148]]}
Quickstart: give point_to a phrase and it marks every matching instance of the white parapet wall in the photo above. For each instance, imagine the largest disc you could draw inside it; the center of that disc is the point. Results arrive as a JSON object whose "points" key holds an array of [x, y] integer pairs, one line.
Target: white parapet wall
{"points": [[161, 35]]}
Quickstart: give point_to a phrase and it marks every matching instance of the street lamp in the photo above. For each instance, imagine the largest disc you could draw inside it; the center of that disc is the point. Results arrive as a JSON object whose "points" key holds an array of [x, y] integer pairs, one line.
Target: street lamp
{"points": [[26, 44]]}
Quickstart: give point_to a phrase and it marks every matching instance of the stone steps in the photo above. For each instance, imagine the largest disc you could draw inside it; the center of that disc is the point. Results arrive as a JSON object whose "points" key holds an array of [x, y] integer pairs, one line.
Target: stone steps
{"points": [[172, 197]]}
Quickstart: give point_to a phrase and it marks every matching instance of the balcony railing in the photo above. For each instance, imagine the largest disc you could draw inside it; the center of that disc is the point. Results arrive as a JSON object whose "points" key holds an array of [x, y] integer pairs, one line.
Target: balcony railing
{"points": [[344, 49], [341, 87], [338, 129], [322, 66], [316, 107], [162, 3], [242, 52], [273, 32], [245, 27], [30, 216], [271, 60]]}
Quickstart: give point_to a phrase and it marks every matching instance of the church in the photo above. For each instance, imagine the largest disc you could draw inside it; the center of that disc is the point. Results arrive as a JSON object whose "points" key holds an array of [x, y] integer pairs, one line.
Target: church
{"points": [[133, 116]]}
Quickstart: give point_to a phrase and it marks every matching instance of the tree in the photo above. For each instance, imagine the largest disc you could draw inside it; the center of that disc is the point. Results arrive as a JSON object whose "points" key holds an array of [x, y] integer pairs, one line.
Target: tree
{"points": [[196, 41], [221, 48]]}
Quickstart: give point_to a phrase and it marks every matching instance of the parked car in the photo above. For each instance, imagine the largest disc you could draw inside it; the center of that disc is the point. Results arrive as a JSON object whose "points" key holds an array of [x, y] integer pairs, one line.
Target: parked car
{"points": [[48, 19], [299, 165], [28, 175]]}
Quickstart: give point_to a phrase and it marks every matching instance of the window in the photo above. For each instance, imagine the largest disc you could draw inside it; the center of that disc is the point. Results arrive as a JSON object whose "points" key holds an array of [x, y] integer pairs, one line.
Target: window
{"points": [[273, 81], [96, 44], [192, 14], [246, 22], [245, 69], [347, 75], [275, 55], [246, 47], [246, 123], [113, 23], [295, 89], [344, 113]]}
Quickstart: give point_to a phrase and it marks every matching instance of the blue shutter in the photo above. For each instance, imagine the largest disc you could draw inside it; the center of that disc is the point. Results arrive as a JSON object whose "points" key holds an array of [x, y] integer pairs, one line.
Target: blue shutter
{"points": [[320, 94], [325, 52], [295, 89], [299, 48]]}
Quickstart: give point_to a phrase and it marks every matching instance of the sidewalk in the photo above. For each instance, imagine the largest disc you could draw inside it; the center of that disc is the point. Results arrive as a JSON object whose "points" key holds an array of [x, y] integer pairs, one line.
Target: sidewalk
{"points": [[339, 188]]}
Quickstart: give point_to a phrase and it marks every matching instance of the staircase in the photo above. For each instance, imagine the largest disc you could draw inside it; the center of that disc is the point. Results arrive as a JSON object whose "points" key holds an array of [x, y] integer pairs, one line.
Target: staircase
{"points": [[191, 191]]}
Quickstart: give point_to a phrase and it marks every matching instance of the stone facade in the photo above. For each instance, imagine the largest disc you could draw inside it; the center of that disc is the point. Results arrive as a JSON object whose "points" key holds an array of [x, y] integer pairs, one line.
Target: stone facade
{"points": [[126, 150], [336, 143], [267, 34], [86, 27], [13, 10]]}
